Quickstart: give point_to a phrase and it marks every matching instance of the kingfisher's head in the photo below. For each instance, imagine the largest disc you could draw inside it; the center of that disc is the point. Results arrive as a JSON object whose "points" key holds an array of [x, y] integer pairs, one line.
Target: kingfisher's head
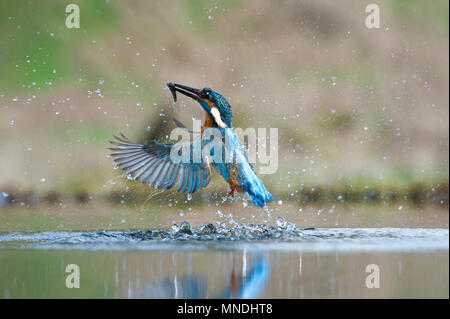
{"points": [[212, 102]]}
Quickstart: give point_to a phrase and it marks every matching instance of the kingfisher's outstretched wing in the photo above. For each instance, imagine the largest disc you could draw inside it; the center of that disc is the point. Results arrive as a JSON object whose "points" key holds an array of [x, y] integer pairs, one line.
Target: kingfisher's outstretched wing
{"points": [[152, 165]]}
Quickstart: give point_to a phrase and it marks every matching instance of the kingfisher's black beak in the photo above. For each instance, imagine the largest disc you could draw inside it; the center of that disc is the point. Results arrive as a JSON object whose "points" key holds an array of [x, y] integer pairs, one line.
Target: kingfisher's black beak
{"points": [[186, 90]]}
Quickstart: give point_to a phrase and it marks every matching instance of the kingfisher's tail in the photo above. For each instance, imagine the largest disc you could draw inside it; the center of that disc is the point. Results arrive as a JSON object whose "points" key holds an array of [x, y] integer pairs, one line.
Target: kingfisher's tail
{"points": [[252, 185], [259, 195], [263, 200]]}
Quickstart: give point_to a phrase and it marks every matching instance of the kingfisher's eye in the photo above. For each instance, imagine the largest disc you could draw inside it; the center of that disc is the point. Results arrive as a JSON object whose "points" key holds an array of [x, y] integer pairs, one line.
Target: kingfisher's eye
{"points": [[206, 94]]}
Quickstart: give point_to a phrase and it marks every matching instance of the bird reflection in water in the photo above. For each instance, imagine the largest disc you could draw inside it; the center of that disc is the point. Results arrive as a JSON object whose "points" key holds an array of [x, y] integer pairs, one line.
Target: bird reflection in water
{"points": [[195, 287]]}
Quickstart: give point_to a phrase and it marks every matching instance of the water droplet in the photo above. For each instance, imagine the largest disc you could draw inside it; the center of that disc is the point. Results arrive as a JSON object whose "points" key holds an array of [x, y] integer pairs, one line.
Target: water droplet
{"points": [[281, 222]]}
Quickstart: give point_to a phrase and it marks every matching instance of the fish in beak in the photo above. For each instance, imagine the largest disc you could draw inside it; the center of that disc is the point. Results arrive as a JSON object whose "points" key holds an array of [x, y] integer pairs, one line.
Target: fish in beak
{"points": [[186, 90], [200, 96]]}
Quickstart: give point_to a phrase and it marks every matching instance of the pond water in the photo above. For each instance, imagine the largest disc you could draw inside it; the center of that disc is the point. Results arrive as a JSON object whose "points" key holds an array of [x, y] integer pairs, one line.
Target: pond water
{"points": [[217, 256]]}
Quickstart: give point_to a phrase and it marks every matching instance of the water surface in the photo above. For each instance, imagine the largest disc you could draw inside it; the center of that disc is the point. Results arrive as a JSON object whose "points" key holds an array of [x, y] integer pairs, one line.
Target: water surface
{"points": [[279, 258]]}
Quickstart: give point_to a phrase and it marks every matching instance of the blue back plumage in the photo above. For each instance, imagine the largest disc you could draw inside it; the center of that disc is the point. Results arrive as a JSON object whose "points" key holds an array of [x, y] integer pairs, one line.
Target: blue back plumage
{"points": [[245, 175]]}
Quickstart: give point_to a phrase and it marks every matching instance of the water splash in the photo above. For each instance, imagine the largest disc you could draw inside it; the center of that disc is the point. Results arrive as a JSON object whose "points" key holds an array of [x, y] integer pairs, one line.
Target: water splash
{"points": [[259, 237], [221, 232]]}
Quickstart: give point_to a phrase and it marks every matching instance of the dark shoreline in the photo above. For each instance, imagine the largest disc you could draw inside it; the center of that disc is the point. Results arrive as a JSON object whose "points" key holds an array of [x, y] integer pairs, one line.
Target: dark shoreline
{"points": [[417, 194]]}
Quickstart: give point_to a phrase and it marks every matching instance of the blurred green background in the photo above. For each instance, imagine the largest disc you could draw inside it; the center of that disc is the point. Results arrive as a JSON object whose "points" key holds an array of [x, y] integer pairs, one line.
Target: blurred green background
{"points": [[362, 113]]}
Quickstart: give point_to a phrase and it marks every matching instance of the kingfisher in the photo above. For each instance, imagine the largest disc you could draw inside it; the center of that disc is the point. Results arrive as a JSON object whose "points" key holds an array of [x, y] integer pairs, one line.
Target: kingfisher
{"points": [[153, 165]]}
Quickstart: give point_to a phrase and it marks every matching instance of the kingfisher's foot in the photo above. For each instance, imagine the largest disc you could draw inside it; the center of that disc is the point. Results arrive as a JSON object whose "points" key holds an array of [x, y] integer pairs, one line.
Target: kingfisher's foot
{"points": [[232, 192]]}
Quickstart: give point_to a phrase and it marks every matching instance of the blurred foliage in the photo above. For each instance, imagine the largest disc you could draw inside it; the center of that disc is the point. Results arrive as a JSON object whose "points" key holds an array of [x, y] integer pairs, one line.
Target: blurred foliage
{"points": [[39, 55], [365, 76], [415, 9], [334, 123], [200, 12]]}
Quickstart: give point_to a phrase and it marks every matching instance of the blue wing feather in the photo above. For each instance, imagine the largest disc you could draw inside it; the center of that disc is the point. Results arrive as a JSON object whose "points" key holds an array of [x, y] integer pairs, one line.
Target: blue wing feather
{"points": [[150, 170], [166, 170], [183, 182], [171, 179], [152, 165], [194, 180]]}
